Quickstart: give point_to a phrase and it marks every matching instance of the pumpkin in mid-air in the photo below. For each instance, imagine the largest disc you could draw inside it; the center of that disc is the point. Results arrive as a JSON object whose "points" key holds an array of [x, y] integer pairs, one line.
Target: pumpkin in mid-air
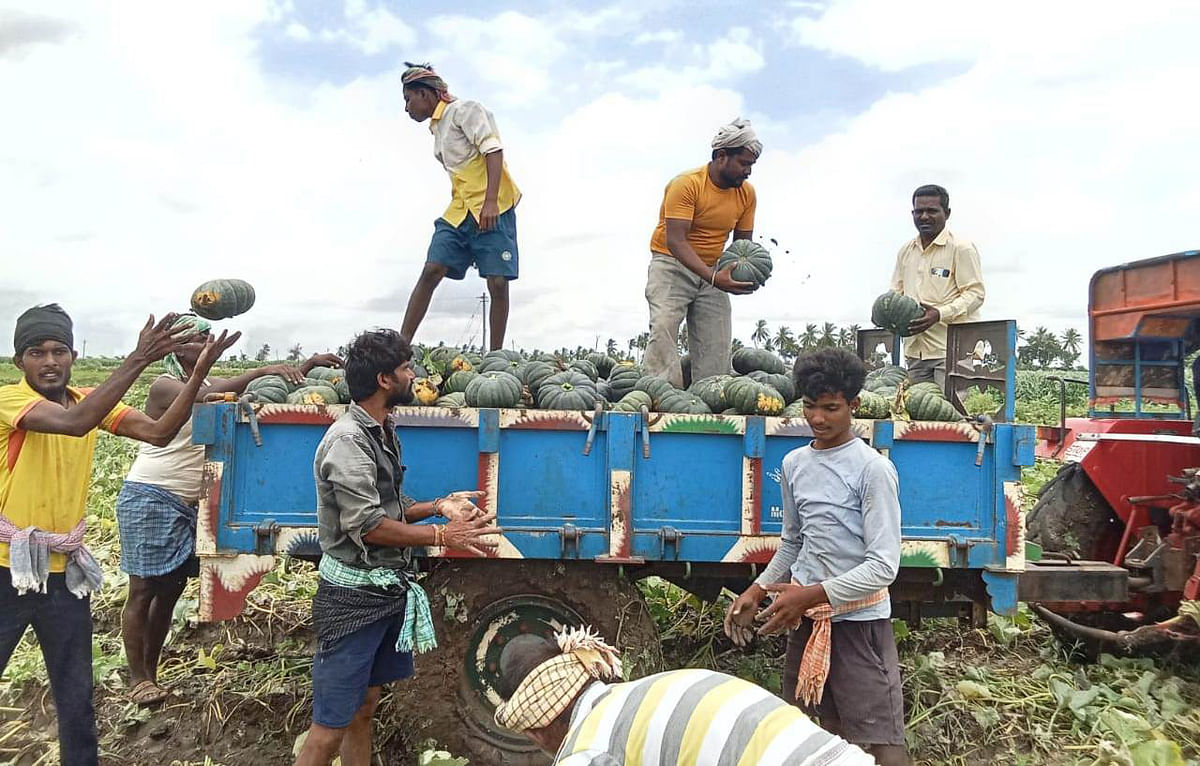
{"points": [[222, 298]]}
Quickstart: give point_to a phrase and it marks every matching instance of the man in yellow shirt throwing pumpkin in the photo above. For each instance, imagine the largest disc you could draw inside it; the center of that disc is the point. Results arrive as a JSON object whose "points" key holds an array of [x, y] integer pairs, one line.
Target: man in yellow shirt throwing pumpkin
{"points": [[48, 431], [700, 209]]}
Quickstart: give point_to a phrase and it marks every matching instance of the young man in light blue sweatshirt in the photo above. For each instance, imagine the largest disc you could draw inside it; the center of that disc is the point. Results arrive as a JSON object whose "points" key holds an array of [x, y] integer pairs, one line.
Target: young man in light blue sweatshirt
{"points": [[839, 551]]}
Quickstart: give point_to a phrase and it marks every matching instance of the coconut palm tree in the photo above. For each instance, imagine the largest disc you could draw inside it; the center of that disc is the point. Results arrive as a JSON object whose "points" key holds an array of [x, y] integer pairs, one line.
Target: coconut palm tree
{"points": [[761, 333], [784, 339], [828, 335], [809, 338]]}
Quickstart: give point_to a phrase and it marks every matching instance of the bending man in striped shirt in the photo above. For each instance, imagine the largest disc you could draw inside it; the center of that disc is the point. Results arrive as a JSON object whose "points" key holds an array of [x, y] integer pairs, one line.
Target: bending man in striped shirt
{"points": [[557, 696]]}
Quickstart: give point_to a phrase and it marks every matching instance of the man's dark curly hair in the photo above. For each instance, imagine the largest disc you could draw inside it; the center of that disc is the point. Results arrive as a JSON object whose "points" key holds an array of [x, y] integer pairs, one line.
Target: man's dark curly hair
{"points": [[829, 371], [373, 353]]}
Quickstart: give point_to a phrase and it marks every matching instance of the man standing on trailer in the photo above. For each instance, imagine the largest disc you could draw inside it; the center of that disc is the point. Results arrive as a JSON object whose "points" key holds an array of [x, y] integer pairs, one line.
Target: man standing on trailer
{"points": [[700, 209], [479, 228], [942, 273]]}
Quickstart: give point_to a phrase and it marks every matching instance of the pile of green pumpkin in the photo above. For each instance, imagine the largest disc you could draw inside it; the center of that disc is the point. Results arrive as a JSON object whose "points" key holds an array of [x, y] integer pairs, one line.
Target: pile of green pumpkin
{"points": [[762, 385], [887, 391], [324, 385]]}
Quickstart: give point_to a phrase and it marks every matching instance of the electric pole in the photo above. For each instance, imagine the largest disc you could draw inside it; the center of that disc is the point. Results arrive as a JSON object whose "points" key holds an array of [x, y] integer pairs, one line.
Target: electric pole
{"points": [[483, 319]]}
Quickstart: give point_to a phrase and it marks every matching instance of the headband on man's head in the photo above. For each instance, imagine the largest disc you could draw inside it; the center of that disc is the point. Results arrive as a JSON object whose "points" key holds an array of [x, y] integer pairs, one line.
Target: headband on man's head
{"points": [[551, 687], [423, 74], [43, 323]]}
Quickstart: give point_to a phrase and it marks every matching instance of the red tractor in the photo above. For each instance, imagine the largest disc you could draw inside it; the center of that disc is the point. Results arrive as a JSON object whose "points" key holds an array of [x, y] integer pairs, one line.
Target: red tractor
{"points": [[1128, 492]]}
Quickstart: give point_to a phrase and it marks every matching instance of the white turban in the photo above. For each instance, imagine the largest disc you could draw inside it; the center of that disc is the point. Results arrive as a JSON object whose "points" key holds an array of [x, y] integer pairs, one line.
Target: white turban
{"points": [[737, 134]]}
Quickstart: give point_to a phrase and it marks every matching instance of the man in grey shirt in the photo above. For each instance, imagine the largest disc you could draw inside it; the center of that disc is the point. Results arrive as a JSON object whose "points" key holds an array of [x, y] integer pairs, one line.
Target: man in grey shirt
{"points": [[369, 614], [838, 553]]}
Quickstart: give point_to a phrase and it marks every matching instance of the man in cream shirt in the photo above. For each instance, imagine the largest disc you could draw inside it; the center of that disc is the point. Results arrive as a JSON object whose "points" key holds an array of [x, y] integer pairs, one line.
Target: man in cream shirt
{"points": [[941, 272]]}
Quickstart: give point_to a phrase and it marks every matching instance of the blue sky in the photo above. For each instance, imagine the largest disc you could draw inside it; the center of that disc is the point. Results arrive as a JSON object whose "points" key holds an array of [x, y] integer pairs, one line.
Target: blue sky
{"points": [[158, 146]]}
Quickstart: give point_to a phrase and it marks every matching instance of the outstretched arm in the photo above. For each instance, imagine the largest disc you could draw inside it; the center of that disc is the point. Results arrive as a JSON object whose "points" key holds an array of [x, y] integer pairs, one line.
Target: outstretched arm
{"points": [[161, 430], [154, 342]]}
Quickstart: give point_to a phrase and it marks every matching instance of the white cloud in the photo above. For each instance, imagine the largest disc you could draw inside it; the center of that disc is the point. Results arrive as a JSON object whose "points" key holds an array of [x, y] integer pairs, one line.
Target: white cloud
{"points": [[145, 163]]}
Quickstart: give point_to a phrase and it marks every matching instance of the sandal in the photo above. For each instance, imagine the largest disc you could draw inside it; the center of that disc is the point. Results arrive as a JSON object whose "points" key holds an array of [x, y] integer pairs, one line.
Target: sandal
{"points": [[146, 693]]}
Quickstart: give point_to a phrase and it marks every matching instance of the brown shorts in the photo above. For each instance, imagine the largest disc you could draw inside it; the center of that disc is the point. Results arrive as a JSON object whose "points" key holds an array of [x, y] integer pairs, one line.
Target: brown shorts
{"points": [[863, 699]]}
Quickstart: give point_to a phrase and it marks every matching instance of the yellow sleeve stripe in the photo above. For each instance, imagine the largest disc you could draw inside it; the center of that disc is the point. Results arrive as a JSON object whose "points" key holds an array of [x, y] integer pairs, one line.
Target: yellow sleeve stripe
{"points": [[764, 734], [702, 718]]}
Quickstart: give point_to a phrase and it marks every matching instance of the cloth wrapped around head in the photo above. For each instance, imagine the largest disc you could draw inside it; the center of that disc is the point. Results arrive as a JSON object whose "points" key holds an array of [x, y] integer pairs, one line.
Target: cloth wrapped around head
{"points": [[187, 323], [43, 323], [551, 687], [737, 135], [423, 74]]}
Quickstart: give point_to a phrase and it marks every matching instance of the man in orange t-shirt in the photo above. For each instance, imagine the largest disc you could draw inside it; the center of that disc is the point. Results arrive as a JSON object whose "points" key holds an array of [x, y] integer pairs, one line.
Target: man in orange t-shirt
{"points": [[48, 432], [700, 209]]}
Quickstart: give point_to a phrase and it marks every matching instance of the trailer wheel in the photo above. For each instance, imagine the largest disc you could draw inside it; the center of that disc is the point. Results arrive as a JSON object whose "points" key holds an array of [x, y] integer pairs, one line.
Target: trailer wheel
{"points": [[1072, 517], [478, 605]]}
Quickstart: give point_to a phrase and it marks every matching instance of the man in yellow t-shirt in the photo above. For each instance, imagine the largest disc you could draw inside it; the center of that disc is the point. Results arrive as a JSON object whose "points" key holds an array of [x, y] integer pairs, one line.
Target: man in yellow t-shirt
{"points": [[48, 432], [479, 228], [700, 209]]}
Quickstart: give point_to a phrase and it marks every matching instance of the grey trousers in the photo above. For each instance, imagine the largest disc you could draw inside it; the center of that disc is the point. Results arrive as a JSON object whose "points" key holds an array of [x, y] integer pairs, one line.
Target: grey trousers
{"points": [[921, 370], [674, 294]]}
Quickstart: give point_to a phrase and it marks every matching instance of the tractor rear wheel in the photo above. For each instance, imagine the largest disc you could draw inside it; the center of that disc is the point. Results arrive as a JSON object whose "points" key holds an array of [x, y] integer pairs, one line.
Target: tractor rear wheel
{"points": [[478, 605], [1073, 518]]}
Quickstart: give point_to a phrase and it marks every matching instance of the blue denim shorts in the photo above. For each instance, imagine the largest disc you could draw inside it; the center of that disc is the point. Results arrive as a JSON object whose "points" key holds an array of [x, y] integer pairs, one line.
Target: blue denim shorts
{"points": [[343, 670], [493, 253]]}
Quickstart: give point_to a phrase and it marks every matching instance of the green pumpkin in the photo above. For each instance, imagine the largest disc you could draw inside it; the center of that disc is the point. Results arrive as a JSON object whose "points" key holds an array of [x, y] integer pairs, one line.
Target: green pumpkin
{"points": [[504, 353], [711, 391], [683, 402], [441, 356], [604, 390], [929, 404], [747, 360], [751, 262], [457, 399], [623, 378], [602, 362], [535, 374], [222, 298], [568, 390], [894, 311], [782, 383], [873, 406], [318, 394], [730, 411], [458, 381], [493, 389], [926, 386], [585, 367], [888, 375], [514, 367], [328, 375], [655, 386], [793, 410], [343, 391], [633, 401], [749, 397], [270, 388]]}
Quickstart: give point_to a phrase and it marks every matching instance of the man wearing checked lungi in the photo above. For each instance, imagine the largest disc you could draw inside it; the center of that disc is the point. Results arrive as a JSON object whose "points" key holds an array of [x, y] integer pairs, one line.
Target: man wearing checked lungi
{"points": [[156, 509], [369, 614]]}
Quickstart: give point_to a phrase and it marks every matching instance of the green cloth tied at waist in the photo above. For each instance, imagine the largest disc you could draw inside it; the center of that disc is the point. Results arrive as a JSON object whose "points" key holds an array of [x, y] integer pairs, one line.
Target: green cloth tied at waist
{"points": [[417, 635]]}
